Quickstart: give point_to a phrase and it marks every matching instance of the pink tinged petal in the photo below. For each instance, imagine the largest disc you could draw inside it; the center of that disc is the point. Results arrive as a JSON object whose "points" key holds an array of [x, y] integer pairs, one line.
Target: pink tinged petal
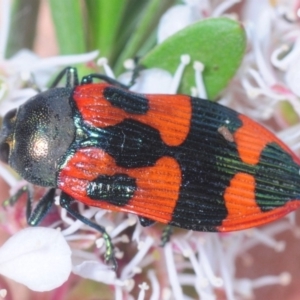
{"points": [[38, 257], [281, 89], [289, 59], [118, 293], [7, 176], [96, 271], [263, 64], [282, 63], [76, 224], [126, 77], [207, 267], [133, 266], [3, 89], [222, 7], [253, 9], [143, 288], [202, 7], [245, 286], [130, 221], [292, 77], [265, 236], [99, 216], [154, 285], [201, 4], [172, 273], [226, 261], [26, 61], [175, 19], [282, 279], [15, 99], [297, 8], [288, 10], [64, 60], [262, 89], [260, 36], [3, 293], [151, 81], [202, 282], [103, 62], [250, 242], [137, 233], [290, 136], [157, 81]]}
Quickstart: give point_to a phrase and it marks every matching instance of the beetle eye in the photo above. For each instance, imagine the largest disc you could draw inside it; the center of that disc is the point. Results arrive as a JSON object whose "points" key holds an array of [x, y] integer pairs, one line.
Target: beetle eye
{"points": [[5, 134], [10, 115], [4, 152]]}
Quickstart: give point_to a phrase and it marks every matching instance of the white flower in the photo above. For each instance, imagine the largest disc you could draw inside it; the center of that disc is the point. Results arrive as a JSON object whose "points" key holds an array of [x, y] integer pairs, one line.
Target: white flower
{"points": [[175, 19], [26, 66], [183, 15], [156, 81], [38, 257]]}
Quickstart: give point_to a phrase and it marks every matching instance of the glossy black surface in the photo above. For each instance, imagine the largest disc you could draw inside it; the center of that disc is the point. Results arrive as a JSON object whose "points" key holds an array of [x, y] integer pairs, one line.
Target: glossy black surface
{"points": [[130, 102], [117, 189]]}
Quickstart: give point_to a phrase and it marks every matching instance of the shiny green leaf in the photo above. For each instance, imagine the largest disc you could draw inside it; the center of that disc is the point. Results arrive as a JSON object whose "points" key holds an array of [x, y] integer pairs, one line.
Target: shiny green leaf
{"points": [[219, 43]]}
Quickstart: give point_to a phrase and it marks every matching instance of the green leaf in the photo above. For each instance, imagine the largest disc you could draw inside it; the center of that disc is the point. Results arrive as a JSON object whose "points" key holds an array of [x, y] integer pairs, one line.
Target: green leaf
{"points": [[104, 20], [23, 22], [219, 43], [147, 22], [69, 25]]}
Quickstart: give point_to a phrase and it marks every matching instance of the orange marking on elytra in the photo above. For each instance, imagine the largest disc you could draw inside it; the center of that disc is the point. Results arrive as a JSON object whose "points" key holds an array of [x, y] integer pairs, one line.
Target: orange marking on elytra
{"points": [[261, 218], [243, 211], [169, 114], [94, 108], [240, 196], [157, 186], [251, 138]]}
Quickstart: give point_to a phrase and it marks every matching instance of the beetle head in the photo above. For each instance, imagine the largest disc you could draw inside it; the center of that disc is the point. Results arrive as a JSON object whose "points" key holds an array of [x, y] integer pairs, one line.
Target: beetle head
{"points": [[34, 137]]}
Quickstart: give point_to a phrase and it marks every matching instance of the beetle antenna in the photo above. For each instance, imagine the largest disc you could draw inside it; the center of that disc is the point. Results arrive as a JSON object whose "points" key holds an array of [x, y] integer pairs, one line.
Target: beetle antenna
{"points": [[71, 77], [89, 79]]}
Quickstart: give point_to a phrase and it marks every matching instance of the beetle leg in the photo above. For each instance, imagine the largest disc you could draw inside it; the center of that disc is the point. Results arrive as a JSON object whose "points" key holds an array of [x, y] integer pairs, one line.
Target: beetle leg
{"points": [[15, 198], [35, 216], [166, 235], [65, 202], [71, 75], [89, 79]]}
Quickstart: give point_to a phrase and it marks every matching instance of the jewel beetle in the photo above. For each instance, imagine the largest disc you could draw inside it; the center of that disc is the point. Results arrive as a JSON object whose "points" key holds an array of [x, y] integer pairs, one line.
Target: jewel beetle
{"points": [[173, 159]]}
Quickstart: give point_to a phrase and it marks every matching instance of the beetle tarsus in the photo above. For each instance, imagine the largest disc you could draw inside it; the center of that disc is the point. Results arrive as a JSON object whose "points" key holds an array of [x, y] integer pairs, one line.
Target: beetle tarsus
{"points": [[109, 253], [16, 197], [166, 235]]}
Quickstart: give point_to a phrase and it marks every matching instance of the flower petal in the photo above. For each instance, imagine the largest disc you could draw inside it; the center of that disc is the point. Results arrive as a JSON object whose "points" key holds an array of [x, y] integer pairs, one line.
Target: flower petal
{"points": [[175, 19], [95, 271], [38, 257], [292, 77]]}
